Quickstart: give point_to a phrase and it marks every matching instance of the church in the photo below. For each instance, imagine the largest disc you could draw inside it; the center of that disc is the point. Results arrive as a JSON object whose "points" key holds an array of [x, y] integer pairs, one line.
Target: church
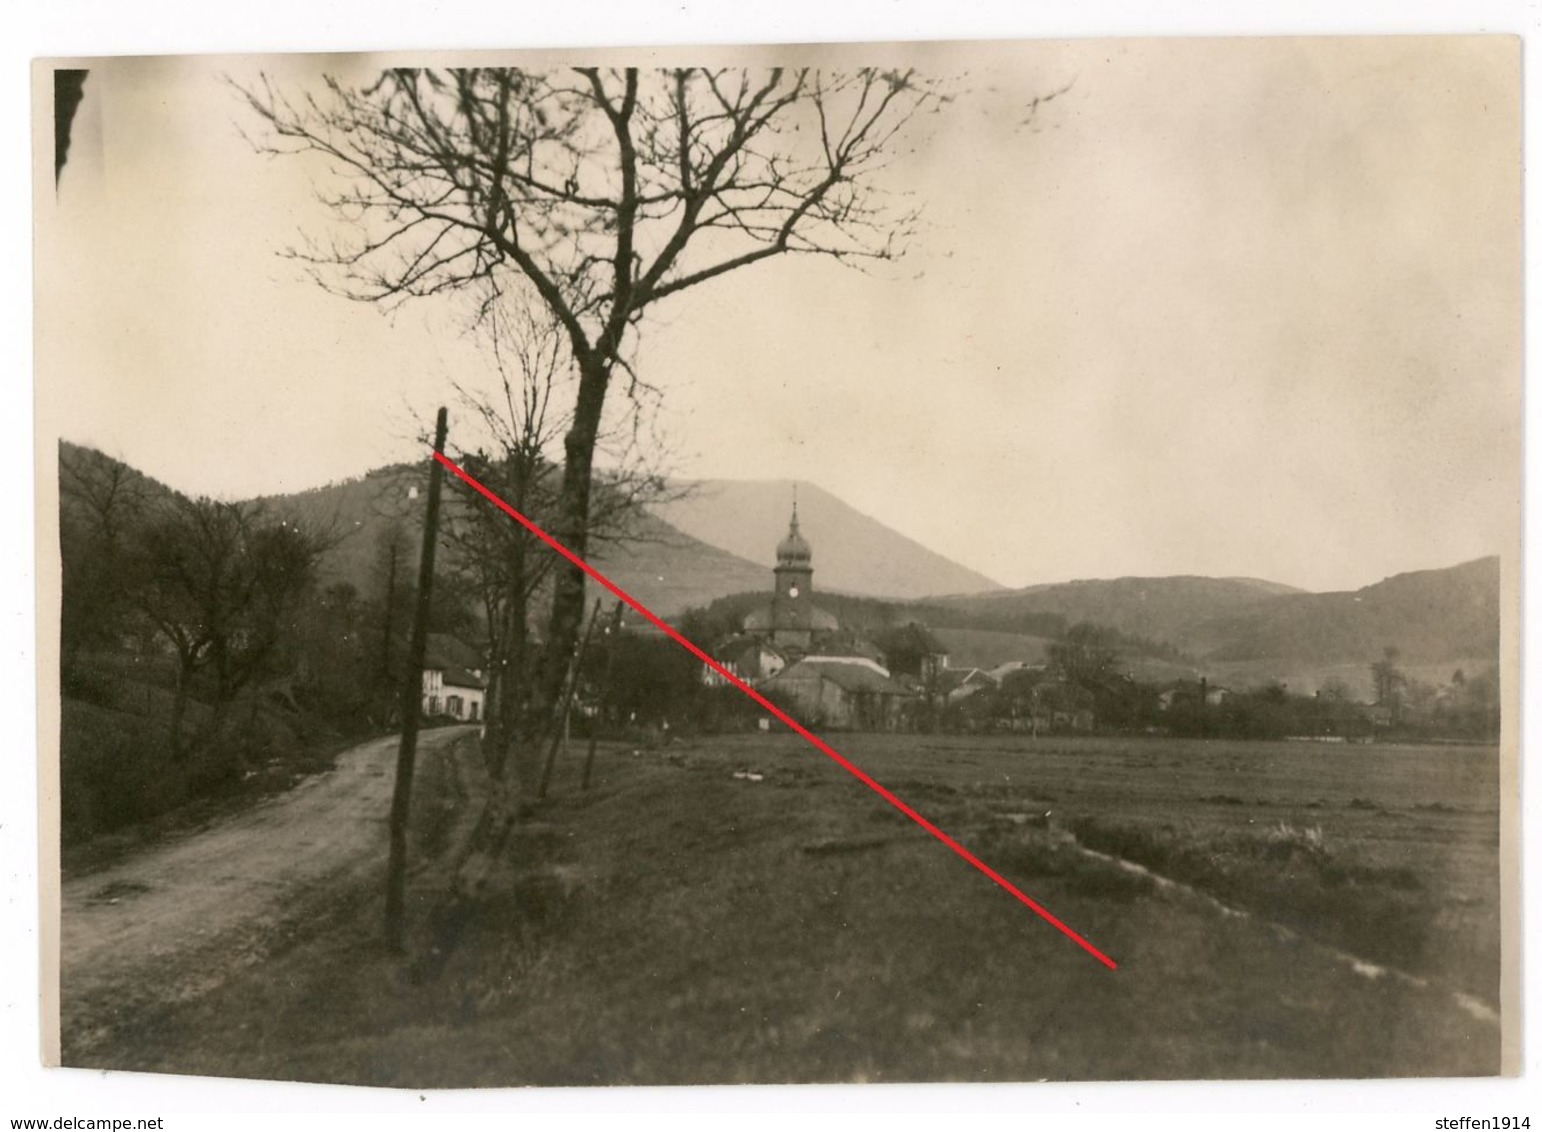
{"points": [[793, 650], [791, 619]]}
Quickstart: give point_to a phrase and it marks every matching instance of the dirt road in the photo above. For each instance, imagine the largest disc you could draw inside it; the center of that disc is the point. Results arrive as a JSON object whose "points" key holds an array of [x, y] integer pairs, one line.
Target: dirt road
{"points": [[177, 920]]}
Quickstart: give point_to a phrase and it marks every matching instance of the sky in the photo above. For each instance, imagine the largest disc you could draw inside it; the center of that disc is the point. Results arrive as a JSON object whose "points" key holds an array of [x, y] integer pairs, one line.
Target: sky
{"points": [[1224, 307]]}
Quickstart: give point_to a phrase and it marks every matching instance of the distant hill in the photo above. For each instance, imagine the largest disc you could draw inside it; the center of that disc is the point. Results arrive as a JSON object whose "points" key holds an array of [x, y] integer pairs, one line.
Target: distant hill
{"points": [[1250, 631], [356, 511], [670, 572], [1158, 609], [853, 552], [663, 568], [1429, 616], [718, 546]]}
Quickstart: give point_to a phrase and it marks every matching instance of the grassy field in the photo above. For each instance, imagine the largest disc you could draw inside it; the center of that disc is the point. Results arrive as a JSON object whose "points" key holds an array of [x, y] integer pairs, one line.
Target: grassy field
{"points": [[738, 909]]}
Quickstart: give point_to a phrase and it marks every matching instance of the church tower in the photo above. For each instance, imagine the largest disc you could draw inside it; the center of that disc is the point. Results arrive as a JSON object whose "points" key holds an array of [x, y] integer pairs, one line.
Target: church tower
{"points": [[791, 620], [794, 562]]}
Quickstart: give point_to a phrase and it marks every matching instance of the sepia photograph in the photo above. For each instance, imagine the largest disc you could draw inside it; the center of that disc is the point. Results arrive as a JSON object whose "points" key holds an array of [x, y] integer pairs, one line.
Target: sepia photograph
{"points": [[852, 563]]}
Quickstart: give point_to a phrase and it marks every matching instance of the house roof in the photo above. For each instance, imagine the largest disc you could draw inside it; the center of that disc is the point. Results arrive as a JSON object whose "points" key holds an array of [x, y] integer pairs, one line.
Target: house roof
{"points": [[951, 678], [736, 648], [448, 651], [1002, 671], [850, 676], [461, 678]]}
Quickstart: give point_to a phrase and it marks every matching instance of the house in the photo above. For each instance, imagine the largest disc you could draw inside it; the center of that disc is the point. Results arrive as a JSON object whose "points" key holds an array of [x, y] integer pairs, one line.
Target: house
{"points": [[1188, 693], [959, 684], [751, 659], [843, 692], [1061, 706], [454, 682], [1002, 671], [847, 644]]}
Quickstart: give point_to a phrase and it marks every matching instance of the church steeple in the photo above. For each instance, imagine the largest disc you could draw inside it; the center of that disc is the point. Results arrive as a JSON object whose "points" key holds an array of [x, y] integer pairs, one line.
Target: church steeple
{"points": [[794, 559], [791, 620]]}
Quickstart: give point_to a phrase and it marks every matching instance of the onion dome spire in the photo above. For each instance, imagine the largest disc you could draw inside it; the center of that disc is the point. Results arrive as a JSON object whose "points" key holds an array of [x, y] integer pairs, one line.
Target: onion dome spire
{"points": [[794, 550]]}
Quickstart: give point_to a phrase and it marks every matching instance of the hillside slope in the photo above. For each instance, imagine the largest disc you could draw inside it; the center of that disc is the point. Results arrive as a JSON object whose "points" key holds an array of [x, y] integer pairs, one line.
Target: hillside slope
{"points": [[357, 512], [1160, 609], [853, 552], [1428, 616], [667, 570], [670, 572]]}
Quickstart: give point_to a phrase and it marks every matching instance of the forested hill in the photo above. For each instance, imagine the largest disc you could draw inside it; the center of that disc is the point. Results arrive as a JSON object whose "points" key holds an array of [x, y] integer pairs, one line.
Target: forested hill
{"points": [[1164, 609], [1429, 616], [662, 567]]}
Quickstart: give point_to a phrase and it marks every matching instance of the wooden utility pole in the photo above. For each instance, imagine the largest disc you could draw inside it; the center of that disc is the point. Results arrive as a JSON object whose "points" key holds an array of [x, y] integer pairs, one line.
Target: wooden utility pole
{"points": [[560, 724], [412, 706], [613, 631]]}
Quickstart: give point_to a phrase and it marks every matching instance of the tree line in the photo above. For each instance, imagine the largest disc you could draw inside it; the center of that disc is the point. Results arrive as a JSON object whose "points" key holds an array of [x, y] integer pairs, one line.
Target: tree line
{"points": [[176, 608]]}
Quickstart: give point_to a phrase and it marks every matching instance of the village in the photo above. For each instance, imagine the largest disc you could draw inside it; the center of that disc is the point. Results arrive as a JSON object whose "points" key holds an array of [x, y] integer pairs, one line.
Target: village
{"points": [[901, 676]]}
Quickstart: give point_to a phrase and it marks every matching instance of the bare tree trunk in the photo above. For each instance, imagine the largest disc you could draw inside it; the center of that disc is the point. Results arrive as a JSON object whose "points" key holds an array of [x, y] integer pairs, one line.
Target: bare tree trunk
{"points": [[494, 736], [613, 631], [559, 736], [567, 613], [179, 708], [507, 685], [521, 741]]}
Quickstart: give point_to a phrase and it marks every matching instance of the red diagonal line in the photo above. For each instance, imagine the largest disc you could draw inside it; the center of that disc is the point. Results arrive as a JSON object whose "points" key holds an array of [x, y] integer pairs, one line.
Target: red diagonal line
{"points": [[846, 764]]}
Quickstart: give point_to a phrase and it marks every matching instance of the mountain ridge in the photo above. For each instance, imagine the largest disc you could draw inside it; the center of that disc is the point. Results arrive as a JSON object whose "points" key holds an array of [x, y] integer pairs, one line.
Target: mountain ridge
{"points": [[1429, 616]]}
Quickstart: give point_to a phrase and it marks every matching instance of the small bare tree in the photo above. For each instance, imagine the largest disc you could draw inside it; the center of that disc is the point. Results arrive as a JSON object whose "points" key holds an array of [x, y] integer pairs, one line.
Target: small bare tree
{"points": [[595, 195], [516, 427]]}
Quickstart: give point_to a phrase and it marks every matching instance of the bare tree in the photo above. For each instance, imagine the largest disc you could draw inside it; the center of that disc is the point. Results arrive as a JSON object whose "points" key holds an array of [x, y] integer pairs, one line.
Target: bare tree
{"points": [[1389, 682], [597, 194], [220, 581], [516, 428]]}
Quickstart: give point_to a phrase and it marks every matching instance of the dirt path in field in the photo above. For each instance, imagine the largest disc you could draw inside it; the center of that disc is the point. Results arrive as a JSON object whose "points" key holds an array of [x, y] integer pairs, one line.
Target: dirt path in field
{"points": [[177, 920]]}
